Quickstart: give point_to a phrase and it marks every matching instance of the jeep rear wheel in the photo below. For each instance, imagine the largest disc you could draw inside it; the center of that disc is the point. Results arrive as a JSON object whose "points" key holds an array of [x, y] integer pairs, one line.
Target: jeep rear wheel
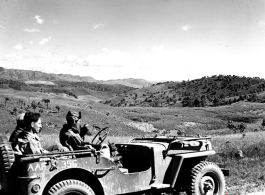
{"points": [[207, 179], [7, 158], [70, 187]]}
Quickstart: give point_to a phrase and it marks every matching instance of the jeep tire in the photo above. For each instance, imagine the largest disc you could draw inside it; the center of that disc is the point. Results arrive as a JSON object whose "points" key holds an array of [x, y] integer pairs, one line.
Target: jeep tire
{"points": [[70, 186], [206, 178], [7, 158]]}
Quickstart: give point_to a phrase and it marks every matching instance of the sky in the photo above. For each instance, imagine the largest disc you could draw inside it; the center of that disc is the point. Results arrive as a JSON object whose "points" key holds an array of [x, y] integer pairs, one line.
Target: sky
{"points": [[155, 40]]}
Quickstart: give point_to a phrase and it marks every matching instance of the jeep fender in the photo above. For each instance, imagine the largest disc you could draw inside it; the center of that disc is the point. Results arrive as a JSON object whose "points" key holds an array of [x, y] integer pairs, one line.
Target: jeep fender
{"points": [[77, 174], [176, 165]]}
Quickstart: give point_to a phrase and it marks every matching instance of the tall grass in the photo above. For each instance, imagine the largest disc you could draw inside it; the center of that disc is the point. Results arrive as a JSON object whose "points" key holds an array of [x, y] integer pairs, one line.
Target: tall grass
{"points": [[247, 173]]}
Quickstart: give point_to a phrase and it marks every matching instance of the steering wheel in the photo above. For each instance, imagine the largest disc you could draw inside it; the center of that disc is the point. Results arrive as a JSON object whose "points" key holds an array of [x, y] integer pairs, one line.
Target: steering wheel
{"points": [[100, 136]]}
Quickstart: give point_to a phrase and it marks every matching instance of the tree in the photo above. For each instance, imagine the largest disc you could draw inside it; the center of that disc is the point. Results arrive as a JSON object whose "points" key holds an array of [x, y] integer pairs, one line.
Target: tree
{"points": [[46, 101], [6, 100], [21, 103], [15, 110], [197, 102], [34, 105], [203, 100], [58, 108], [216, 102]]}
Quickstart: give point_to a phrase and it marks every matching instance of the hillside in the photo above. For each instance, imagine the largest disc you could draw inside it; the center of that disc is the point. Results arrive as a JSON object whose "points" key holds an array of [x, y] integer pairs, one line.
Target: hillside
{"points": [[25, 75], [128, 120], [136, 83], [31, 77], [72, 89], [206, 91]]}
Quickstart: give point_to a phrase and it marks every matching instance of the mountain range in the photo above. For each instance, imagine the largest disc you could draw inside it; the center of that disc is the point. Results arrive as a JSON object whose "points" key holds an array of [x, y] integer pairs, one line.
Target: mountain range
{"points": [[36, 77]]}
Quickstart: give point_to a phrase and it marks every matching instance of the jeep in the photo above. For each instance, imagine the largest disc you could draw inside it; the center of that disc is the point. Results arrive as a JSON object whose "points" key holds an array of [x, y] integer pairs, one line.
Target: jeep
{"points": [[145, 165]]}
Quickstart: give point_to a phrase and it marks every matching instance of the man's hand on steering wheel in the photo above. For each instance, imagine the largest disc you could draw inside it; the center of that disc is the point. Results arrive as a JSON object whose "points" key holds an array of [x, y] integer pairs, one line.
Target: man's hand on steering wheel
{"points": [[100, 136]]}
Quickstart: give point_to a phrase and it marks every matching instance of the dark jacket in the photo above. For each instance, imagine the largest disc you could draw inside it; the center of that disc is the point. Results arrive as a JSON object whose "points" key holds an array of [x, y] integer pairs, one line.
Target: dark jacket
{"points": [[70, 138]]}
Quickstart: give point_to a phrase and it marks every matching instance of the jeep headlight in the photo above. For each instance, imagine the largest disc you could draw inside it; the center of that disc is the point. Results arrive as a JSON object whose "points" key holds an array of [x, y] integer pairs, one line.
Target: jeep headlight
{"points": [[35, 188]]}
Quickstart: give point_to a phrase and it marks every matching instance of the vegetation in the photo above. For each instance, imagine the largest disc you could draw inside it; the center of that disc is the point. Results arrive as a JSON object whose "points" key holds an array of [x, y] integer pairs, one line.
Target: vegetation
{"points": [[72, 89], [207, 91], [247, 171]]}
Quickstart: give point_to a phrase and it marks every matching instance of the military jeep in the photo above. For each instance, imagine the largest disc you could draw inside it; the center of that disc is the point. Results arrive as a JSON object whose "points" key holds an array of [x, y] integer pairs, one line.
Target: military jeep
{"points": [[147, 165]]}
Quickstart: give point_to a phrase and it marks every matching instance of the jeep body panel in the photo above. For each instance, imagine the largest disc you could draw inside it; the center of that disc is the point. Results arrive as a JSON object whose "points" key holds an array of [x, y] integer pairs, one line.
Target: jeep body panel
{"points": [[109, 175]]}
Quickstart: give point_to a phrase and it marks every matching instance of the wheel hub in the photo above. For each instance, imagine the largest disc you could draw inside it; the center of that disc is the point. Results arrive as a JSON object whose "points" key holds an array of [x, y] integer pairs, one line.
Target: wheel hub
{"points": [[207, 186]]}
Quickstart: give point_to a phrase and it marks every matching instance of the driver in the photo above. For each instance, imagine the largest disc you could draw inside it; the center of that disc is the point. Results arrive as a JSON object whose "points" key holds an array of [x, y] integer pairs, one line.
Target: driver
{"points": [[70, 135]]}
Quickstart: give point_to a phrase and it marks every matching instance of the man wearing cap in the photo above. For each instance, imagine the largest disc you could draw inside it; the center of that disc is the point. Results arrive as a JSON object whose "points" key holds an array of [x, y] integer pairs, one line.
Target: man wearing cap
{"points": [[70, 135]]}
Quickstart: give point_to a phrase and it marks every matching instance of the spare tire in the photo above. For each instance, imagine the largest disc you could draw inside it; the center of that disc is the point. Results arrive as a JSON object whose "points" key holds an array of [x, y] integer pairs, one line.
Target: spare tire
{"points": [[7, 158]]}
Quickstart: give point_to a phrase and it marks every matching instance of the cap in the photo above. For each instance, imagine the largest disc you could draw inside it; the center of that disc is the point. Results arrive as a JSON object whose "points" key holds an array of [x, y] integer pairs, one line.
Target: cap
{"points": [[73, 115]]}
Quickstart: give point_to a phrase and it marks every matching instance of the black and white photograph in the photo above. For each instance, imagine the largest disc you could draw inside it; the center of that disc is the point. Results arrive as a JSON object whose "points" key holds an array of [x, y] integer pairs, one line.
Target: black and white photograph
{"points": [[148, 97]]}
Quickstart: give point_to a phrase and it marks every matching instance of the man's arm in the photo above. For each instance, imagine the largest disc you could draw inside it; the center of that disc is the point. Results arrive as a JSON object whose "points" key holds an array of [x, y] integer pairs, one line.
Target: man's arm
{"points": [[66, 144], [72, 143]]}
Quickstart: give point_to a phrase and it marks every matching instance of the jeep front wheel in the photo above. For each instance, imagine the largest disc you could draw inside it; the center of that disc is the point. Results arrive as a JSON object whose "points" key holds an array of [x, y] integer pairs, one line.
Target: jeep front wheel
{"points": [[207, 179], [71, 186]]}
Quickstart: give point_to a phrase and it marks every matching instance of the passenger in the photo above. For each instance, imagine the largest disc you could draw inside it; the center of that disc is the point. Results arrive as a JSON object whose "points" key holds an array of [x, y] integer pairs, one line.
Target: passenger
{"points": [[28, 141], [70, 135], [19, 128]]}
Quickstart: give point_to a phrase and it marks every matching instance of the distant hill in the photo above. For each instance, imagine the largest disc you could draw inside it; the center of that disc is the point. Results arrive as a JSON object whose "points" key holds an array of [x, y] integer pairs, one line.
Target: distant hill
{"points": [[31, 77], [25, 75], [206, 91], [72, 89], [136, 83]]}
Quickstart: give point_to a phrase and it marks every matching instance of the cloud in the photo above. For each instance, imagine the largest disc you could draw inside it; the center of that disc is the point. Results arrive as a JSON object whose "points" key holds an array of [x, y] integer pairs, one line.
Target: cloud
{"points": [[157, 48], [19, 47], [45, 40], [12, 57], [2, 26], [98, 26], [105, 50], [55, 21], [75, 60], [186, 27], [71, 58], [30, 43], [32, 30], [262, 24], [38, 19], [46, 55], [164, 65], [110, 59]]}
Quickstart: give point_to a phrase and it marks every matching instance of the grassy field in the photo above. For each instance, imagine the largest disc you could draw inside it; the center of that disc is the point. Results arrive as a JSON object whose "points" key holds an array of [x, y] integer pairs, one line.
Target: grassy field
{"points": [[247, 173]]}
